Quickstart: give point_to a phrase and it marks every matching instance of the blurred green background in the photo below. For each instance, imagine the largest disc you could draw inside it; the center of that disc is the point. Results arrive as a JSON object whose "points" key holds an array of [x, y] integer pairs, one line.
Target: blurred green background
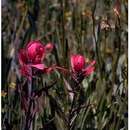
{"points": [[87, 27]]}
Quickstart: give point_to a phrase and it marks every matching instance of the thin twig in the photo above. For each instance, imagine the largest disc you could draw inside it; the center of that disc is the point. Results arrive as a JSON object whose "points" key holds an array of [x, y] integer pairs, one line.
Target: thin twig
{"points": [[96, 40], [119, 49], [45, 89]]}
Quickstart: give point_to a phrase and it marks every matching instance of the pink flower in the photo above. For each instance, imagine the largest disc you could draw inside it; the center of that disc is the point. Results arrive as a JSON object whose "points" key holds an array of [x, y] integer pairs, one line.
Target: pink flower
{"points": [[77, 63], [90, 68], [31, 57], [79, 67], [35, 51], [26, 71]]}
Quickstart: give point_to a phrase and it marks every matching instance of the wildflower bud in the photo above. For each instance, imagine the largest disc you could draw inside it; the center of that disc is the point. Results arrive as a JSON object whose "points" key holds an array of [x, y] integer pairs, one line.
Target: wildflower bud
{"points": [[49, 47]]}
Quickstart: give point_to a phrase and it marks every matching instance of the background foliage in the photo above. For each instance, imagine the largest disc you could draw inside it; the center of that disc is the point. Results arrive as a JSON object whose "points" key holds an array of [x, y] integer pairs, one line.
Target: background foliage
{"points": [[87, 27]]}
